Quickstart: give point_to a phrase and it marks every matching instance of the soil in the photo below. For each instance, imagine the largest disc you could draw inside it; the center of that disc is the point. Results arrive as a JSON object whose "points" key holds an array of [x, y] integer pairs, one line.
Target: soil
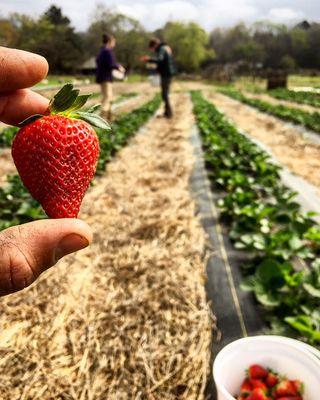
{"points": [[128, 317], [290, 148]]}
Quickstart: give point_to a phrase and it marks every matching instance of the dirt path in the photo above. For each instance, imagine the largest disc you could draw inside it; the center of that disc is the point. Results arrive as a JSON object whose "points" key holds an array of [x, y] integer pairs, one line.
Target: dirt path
{"points": [[126, 318], [301, 156], [132, 103], [272, 100]]}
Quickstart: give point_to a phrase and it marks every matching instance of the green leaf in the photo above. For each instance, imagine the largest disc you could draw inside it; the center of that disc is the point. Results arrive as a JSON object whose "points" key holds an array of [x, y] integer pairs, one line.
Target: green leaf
{"points": [[94, 108], [295, 279], [295, 243], [92, 119], [269, 273], [304, 324], [64, 99], [268, 299], [313, 291], [248, 284], [79, 102]]}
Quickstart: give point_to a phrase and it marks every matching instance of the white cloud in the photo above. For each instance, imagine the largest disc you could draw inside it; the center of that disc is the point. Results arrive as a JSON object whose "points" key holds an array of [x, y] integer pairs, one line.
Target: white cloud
{"points": [[208, 13], [226, 13], [285, 14], [153, 14], [157, 14]]}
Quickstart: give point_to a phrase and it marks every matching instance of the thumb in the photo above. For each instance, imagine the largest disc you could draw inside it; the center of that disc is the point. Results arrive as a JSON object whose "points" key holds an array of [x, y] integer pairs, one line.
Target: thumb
{"points": [[29, 249]]}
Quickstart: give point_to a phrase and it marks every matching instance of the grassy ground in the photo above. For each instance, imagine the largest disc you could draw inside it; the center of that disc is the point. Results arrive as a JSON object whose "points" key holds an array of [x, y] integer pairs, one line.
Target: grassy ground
{"points": [[252, 84], [302, 80], [134, 78]]}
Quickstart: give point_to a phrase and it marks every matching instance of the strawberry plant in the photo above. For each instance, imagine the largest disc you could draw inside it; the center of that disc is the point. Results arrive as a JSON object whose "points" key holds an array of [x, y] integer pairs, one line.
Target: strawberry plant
{"points": [[7, 135], [124, 96], [310, 98], [295, 115], [265, 221], [16, 204]]}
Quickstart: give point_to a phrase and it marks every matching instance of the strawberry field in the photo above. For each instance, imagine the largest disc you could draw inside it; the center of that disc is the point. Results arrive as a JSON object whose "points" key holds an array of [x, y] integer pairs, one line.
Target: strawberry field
{"points": [[199, 239]]}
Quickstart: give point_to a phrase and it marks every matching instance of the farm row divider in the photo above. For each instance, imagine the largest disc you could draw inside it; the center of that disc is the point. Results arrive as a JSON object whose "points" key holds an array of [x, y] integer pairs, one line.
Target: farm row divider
{"points": [[237, 314], [266, 223]]}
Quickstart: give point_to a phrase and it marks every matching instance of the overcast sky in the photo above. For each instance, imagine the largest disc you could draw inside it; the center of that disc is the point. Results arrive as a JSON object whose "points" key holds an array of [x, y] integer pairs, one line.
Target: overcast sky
{"points": [[153, 14]]}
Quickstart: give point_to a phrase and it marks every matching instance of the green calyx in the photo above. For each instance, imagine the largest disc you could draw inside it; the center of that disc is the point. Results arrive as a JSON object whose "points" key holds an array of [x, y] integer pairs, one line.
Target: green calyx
{"points": [[68, 102]]}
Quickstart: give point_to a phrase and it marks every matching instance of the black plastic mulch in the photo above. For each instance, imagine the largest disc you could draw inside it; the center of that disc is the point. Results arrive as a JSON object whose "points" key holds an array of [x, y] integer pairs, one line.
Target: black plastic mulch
{"points": [[236, 311]]}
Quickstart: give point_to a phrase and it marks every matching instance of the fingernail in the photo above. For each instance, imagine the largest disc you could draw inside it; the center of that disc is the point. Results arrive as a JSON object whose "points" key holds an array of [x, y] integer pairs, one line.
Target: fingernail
{"points": [[70, 244]]}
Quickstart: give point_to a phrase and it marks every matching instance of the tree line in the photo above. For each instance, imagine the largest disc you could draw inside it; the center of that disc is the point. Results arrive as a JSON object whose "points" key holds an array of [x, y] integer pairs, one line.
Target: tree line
{"points": [[263, 44], [270, 45]]}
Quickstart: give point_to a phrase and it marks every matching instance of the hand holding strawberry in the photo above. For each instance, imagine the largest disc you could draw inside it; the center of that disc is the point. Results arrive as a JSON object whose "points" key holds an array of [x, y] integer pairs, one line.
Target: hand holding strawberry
{"points": [[56, 154], [29, 249]]}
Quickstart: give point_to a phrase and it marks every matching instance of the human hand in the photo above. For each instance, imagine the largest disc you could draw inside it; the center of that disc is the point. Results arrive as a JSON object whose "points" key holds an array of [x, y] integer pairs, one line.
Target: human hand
{"points": [[29, 249]]}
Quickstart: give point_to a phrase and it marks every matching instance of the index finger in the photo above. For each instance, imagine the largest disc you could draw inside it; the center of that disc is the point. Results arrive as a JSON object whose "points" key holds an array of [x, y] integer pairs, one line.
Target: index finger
{"points": [[20, 69]]}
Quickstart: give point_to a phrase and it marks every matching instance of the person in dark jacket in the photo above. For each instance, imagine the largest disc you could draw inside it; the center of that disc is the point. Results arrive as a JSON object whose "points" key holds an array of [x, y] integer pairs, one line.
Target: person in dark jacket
{"points": [[165, 68], [106, 63]]}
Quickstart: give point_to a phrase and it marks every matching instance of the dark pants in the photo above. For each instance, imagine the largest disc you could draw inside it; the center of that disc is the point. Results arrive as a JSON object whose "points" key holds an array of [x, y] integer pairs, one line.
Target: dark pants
{"points": [[165, 88]]}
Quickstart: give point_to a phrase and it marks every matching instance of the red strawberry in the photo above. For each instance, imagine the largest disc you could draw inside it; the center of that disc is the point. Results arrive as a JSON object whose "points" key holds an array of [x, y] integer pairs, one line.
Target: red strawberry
{"points": [[290, 398], [257, 372], [257, 394], [298, 385], [271, 380], [257, 383], [246, 386], [56, 155], [284, 388]]}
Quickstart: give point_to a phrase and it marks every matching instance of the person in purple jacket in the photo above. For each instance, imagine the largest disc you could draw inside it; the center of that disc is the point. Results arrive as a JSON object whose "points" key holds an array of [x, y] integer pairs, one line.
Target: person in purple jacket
{"points": [[106, 63]]}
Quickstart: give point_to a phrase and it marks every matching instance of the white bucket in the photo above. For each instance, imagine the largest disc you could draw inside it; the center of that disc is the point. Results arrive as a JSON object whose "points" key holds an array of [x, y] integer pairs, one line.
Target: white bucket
{"points": [[118, 75], [286, 356]]}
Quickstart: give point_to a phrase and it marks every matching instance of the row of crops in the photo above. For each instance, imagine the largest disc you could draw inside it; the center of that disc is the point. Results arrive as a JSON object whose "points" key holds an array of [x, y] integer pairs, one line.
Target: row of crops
{"points": [[16, 204], [309, 98], [265, 221], [308, 119]]}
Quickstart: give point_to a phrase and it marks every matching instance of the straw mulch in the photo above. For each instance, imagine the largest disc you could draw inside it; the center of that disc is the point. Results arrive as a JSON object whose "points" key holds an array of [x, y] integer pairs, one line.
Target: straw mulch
{"points": [[127, 318]]}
